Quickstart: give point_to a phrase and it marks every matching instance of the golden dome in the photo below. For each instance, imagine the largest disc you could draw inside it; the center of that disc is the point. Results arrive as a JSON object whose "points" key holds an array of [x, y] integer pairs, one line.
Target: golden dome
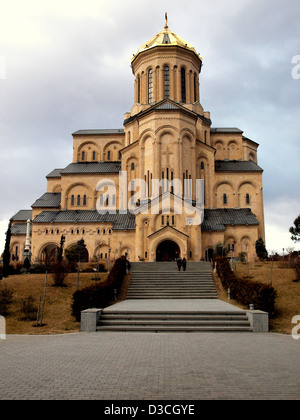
{"points": [[166, 38]]}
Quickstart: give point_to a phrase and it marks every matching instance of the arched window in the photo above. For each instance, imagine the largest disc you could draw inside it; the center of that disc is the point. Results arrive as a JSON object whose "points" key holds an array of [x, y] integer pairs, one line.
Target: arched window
{"points": [[120, 155], [72, 200], [225, 199], [167, 81], [139, 89], [132, 166], [202, 165], [183, 89], [94, 155], [247, 199], [108, 155], [84, 200], [78, 200], [195, 87], [83, 156], [150, 86]]}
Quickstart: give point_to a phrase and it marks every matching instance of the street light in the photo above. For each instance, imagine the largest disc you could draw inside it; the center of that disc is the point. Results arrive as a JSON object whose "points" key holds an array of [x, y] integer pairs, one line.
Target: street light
{"points": [[108, 263]]}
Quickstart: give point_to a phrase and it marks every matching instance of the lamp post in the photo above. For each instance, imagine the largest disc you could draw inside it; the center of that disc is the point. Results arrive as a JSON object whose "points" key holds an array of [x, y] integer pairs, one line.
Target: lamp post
{"points": [[108, 262]]}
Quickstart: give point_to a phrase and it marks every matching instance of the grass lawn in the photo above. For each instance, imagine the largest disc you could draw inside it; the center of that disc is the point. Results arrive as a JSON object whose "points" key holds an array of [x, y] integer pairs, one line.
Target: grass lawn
{"points": [[287, 303], [57, 309]]}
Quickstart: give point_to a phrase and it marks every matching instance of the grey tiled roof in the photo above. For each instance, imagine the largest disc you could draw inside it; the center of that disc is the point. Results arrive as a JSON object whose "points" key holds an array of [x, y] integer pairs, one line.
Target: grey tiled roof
{"points": [[225, 130], [48, 200], [99, 131], [167, 105], [119, 221], [92, 168], [220, 218], [214, 220], [236, 166], [20, 229], [22, 216], [54, 174]]}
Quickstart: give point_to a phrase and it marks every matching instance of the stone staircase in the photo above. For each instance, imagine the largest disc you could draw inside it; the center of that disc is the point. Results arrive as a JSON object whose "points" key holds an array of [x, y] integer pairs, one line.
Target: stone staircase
{"points": [[171, 291], [164, 281], [174, 322]]}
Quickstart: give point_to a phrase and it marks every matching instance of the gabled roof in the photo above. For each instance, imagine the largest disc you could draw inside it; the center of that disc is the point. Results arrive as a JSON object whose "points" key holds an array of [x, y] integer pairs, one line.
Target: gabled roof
{"points": [[48, 200], [118, 220], [169, 105], [54, 174], [214, 219], [20, 229], [94, 132], [218, 219], [92, 168], [225, 130], [168, 227], [22, 216], [236, 166]]}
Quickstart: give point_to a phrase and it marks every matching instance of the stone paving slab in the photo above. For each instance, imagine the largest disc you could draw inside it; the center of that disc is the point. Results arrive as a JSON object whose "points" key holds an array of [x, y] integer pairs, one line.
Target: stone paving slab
{"points": [[138, 366], [171, 305]]}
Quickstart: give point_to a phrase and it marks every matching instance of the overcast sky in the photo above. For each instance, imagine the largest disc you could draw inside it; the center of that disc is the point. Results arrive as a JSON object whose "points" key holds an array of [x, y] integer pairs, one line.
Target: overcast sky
{"points": [[65, 66]]}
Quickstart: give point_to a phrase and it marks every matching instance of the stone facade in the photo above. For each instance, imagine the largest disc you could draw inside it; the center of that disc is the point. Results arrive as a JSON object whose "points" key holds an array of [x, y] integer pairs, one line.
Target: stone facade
{"points": [[168, 137]]}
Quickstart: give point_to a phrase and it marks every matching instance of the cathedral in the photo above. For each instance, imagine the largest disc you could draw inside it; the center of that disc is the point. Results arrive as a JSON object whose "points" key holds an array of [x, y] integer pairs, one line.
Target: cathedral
{"points": [[134, 190]]}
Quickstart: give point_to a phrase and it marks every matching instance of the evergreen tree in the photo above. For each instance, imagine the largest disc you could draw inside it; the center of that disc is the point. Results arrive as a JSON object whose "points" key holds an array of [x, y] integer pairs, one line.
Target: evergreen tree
{"points": [[6, 253], [261, 251], [295, 230]]}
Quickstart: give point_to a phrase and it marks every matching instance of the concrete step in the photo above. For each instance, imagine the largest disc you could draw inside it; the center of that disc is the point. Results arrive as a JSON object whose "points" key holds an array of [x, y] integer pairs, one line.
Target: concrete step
{"points": [[174, 321], [176, 329]]}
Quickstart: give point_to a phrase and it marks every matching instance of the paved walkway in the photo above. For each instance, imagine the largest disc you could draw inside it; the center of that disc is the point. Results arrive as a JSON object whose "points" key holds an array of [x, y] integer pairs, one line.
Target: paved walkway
{"points": [[147, 366], [180, 305]]}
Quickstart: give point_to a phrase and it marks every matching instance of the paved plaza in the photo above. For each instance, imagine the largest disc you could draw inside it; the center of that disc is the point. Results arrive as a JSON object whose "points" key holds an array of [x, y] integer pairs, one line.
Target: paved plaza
{"points": [[149, 366]]}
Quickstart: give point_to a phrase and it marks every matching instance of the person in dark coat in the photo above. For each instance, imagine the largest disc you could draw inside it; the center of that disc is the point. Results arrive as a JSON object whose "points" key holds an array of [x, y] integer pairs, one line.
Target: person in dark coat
{"points": [[184, 264], [179, 263]]}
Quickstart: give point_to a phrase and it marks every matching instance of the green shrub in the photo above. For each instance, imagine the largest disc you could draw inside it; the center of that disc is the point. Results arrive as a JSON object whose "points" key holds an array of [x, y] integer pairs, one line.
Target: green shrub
{"points": [[6, 299], [59, 271], [101, 294], [246, 292], [28, 308]]}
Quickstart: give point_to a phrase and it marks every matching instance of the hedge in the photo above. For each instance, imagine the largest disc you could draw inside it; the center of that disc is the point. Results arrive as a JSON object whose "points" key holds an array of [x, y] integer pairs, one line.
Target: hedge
{"points": [[101, 294], [246, 292]]}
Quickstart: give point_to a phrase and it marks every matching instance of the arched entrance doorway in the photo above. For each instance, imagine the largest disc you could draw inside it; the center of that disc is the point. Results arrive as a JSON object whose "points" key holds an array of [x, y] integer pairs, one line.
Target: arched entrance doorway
{"points": [[49, 254], [167, 251]]}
